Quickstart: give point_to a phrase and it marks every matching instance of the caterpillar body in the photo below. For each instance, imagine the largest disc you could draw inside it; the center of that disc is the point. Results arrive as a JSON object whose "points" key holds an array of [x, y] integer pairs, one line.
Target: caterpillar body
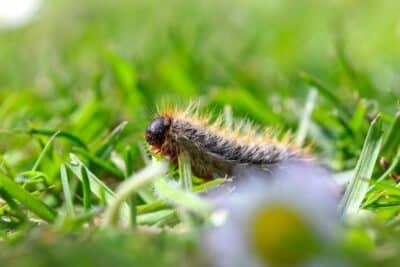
{"points": [[216, 150]]}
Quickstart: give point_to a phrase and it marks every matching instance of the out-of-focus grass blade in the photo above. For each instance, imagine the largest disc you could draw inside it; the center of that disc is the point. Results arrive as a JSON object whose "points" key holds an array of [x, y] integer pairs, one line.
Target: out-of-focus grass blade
{"points": [[228, 117], [98, 188], [358, 186], [183, 198], [112, 139], [154, 206], [208, 185], [380, 190], [63, 134], [155, 217], [100, 162], [358, 118], [128, 161], [132, 202], [87, 216], [31, 202], [67, 191], [147, 194], [125, 74], [31, 177], [5, 167], [306, 116], [143, 152], [389, 188], [392, 141], [12, 204], [96, 185], [185, 172], [391, 169], [245, 103], [87, 200], [131, 186], [361, 82], [44, 150], [177, 79], [314, 82], [86, 113]]}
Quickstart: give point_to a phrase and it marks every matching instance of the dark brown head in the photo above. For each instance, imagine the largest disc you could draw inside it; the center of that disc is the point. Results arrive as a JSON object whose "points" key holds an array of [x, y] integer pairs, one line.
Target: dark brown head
{"points": [[157, 131]]}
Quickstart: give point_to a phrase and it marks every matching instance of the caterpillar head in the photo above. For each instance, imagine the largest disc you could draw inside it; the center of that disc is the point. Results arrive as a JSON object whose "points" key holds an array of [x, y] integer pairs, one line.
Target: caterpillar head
{"points": [[157, 131]]}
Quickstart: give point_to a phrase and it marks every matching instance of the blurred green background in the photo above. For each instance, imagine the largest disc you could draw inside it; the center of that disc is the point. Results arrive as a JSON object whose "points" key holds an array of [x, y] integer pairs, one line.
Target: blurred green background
{"points": [[135, 55], [84, 67]]}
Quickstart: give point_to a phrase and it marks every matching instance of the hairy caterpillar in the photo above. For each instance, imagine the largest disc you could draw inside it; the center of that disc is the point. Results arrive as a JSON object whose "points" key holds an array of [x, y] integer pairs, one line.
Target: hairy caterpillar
{"points": [[214, 149]]}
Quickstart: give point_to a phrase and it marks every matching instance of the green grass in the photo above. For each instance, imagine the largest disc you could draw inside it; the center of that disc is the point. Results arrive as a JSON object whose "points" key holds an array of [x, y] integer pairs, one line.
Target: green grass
{"points": [[79, 84]]}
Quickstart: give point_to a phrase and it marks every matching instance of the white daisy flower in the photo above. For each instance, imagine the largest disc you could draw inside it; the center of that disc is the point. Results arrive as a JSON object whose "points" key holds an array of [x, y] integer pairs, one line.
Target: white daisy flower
{"points": [[286, 220]]}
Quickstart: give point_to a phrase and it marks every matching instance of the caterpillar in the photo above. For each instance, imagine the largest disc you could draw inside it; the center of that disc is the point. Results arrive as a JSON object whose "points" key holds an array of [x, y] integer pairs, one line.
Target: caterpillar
{"points": [[216, 150]]}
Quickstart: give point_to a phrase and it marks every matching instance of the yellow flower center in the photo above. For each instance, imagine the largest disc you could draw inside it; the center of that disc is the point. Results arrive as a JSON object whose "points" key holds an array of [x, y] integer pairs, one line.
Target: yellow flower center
{"points": [[281, 237]]}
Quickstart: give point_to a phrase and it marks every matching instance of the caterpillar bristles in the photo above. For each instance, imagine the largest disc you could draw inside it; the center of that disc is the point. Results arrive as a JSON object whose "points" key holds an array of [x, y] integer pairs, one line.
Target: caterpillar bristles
{"points": [[216, 150]]}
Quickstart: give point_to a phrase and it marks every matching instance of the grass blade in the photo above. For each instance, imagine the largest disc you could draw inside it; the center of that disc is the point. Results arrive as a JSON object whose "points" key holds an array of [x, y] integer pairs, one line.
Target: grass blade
{"points": [[306, 116], [185, 173], [133, 209], [323, 89], [155, 217], [154, 206], [392, 141], [204, 187], [67, 191], [100, 162], [357, 122], [44, 150], [24, 197], [183, 198], [128, 161], [391, 169], [73, 138], [359, 80], [97, 187], [112, 139], [13, 205], [358, 187], [244, 102], [131, 186], [87, 200]]}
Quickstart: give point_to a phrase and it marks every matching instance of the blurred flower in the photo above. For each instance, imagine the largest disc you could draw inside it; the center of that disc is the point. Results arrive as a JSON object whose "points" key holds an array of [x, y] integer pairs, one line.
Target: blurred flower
{"points": [[286, 220], [14, 13]]}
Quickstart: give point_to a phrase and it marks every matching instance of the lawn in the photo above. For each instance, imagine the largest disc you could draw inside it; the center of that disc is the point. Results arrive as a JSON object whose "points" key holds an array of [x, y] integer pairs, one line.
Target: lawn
{"points": [[81, 80]]}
